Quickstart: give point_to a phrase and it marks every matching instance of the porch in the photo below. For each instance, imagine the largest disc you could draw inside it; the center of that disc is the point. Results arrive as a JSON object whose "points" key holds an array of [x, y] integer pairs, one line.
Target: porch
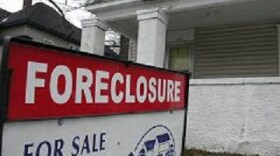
{"points": [[212, 39]]}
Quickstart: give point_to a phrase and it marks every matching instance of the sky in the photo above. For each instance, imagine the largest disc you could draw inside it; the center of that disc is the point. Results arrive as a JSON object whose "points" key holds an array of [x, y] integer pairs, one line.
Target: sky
{"points": [[73, 15]]}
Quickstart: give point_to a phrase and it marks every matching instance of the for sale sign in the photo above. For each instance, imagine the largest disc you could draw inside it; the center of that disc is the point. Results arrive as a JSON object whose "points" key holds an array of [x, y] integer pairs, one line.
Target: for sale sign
{"points": [[120, 135], [113, 107]]}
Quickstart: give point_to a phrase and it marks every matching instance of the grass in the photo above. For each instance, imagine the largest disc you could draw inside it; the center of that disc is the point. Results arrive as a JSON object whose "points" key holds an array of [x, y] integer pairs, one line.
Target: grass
{"points": [[195, 152]]}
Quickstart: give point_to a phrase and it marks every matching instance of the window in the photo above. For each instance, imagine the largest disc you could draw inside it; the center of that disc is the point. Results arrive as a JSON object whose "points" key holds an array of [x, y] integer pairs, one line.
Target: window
{"points": [[72, 47], [180, 58], [48, 41]]}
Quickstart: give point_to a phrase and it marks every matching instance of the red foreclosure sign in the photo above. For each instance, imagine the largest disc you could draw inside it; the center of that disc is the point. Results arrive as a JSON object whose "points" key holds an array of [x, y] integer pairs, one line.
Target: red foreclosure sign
{"points": [[47, 82]]}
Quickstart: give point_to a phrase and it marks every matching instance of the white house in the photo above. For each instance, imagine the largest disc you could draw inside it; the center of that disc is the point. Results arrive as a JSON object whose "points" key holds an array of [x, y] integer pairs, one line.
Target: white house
{"points": [[232, 48]]}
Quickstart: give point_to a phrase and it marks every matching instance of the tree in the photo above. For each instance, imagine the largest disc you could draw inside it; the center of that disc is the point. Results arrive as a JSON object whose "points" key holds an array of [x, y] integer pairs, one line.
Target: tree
{"points": [[72, 10]]}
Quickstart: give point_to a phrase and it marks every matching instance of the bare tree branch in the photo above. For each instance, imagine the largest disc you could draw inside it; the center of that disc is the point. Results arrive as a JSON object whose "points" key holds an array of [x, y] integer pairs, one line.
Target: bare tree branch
{"points": [[58, 8], [63, 16]]}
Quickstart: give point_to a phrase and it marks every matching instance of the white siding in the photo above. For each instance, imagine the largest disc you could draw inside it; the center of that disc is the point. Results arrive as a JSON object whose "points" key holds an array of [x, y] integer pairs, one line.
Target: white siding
{"points": [[236, 51]]}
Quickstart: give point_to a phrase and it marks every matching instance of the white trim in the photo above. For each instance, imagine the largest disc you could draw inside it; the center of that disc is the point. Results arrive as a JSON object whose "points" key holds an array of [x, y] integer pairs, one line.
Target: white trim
{"points": [[184, 38], [95, 22], [123, 9], [278, 42], [110, 4], [151, 14], [235, 81]]}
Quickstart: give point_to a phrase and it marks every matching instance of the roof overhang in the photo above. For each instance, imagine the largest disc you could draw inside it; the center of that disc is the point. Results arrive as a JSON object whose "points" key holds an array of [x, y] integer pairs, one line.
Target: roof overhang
{"points": [[187, 14], [123, 9]]}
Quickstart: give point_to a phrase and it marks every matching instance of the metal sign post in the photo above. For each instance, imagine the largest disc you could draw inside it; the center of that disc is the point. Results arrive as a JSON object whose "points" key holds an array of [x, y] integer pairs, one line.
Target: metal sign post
{"points": [[60, 102]]}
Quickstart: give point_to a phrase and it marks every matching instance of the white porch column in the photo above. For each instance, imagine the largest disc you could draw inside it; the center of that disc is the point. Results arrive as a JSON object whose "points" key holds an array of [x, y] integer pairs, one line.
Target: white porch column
{"points": [[151, 37], [93, 36]]}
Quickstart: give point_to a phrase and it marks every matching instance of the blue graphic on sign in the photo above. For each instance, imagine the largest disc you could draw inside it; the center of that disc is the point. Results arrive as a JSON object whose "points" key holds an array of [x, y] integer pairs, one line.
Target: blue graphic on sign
{"points": [[157, 141]]}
